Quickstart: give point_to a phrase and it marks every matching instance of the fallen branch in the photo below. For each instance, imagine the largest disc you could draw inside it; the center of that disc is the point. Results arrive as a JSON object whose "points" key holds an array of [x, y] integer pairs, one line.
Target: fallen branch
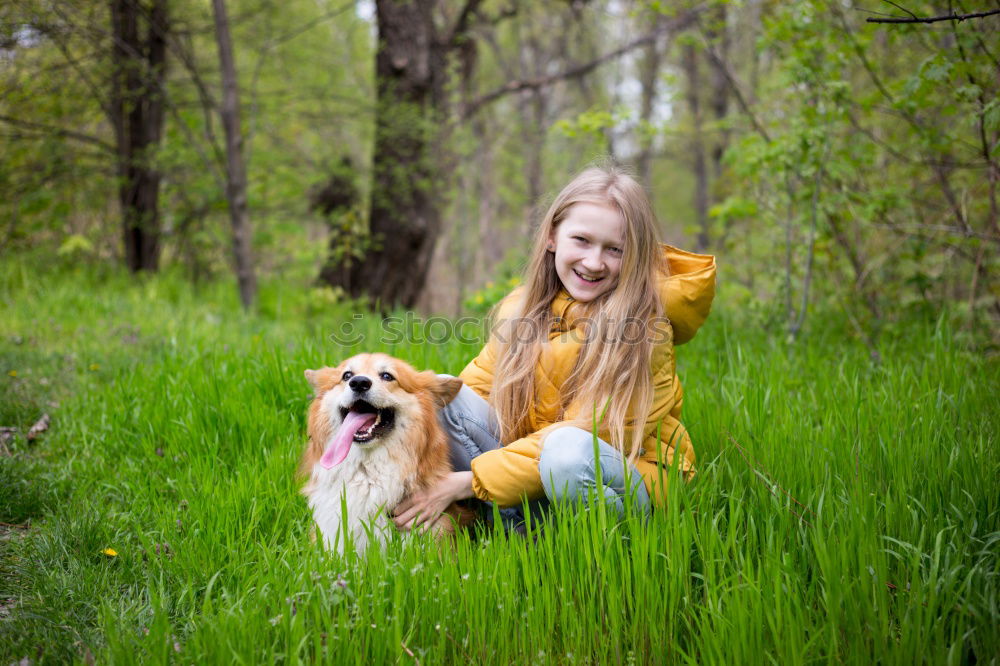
{"points": [[40, 426]]}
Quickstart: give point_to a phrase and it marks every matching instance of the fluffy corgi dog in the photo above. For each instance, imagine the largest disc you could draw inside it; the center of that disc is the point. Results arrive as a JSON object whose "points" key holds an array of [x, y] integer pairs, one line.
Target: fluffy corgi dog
{"points": [[374, 438]]}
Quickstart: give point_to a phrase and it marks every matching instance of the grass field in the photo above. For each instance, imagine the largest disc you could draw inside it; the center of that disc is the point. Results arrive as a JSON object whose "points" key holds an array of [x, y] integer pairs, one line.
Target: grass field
{"points": [[844, 510]]}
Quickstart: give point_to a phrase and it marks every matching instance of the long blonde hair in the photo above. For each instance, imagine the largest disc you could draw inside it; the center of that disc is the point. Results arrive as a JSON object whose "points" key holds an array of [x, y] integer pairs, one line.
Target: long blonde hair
{"points": [[610, 377]]}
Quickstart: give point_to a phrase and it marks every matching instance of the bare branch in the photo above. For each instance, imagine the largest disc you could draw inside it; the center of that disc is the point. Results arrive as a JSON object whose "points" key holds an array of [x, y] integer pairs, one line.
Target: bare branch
{"points": [[982, 44], [457, 32], [900, 7], [58, 131], [929, 162], [574, 72], [735, 87], [74, 63], [994, 168], [208, 101], [797, 325], [269, 45], [915, 228], [934, 19], [289, 35]]}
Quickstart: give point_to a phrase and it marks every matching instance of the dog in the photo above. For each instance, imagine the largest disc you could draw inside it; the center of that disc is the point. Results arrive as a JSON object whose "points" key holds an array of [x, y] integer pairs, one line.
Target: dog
{"points": [[374, 439]]}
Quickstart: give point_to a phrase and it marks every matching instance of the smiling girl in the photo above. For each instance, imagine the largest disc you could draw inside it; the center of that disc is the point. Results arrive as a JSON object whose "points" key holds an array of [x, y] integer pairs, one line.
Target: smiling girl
{"points": [[589, 337]]}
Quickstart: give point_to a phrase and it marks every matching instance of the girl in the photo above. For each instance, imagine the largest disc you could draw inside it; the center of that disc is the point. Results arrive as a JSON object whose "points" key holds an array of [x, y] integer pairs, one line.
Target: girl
{"points": [[589, 337]]}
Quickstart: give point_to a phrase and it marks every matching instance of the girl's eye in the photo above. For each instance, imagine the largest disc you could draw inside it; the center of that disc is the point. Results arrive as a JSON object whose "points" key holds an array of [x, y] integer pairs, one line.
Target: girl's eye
{"points": [[615, 250], [347, 375], [579, 239], [386, 377]]}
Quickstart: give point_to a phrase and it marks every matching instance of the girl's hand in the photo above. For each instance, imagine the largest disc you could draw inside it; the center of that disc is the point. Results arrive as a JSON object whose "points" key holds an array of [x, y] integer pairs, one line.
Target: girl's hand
{"points": [[423, 507]]}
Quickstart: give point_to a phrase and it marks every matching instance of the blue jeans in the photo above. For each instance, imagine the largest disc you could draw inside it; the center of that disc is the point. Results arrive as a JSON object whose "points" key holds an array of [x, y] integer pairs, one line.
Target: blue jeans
{"points": [[566, 464]]}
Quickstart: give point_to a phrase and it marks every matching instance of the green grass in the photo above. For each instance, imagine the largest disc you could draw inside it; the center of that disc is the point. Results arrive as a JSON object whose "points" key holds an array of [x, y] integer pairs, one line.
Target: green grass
{"points": [[857, 520]]}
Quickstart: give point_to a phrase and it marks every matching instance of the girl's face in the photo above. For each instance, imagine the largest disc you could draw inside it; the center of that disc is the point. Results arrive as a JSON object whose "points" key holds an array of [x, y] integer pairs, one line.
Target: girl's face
{"points": [[588, 246]]}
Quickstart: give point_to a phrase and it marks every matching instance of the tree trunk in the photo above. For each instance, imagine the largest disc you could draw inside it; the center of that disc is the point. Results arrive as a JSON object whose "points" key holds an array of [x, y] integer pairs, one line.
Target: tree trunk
{"points": [[236, 176], [533, 109], [405, 217], [692, 71], [719, 36], [649, 76], [136, 114]]}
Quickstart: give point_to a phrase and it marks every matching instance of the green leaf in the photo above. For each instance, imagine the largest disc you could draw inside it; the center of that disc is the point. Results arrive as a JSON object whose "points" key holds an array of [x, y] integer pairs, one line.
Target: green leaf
{"points": [[75, 244]]}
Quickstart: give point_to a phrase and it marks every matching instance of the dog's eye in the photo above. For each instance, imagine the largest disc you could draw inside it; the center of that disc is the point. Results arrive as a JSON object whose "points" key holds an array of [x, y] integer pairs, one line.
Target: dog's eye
{"points": [[347, 375], [386, 377]]}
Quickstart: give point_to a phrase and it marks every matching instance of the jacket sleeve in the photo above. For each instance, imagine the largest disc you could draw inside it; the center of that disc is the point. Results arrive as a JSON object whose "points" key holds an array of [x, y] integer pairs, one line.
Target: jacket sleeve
{"points": [[478, 374], [665, 406], [506, 475]]}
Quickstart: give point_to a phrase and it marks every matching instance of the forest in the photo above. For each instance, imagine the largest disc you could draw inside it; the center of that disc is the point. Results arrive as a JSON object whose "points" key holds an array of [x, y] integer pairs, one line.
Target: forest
{"points": [[328, 143], [195, 195]]}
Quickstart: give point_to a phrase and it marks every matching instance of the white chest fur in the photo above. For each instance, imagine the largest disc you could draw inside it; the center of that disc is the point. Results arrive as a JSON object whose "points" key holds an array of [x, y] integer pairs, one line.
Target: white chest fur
{"points": [[354, 497]]}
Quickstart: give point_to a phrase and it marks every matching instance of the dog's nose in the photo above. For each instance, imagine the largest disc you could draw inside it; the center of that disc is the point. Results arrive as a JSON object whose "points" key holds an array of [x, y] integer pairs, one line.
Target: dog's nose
{"points": [[360, 383]]}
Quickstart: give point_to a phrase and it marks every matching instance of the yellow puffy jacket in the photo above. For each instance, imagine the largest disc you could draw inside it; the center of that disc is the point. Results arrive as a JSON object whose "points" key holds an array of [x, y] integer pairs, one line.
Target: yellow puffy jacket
{"points": [[509, 473]]}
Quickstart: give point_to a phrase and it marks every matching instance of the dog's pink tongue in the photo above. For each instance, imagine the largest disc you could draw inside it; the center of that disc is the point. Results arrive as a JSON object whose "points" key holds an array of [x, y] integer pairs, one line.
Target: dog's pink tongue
{"points": [[337, 450]]}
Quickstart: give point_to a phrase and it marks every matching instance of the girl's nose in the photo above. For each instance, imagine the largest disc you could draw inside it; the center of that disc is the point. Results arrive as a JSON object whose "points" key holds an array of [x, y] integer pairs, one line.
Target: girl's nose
{"points": [[593, 261]]}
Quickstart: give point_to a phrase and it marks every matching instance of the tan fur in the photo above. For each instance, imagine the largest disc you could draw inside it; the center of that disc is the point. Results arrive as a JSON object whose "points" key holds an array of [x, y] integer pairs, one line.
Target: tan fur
{"points": [[421, 452]]}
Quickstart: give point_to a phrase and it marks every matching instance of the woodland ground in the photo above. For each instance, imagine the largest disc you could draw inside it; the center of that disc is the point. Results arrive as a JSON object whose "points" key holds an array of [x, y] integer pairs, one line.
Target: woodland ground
{"points": [[845, 509]]}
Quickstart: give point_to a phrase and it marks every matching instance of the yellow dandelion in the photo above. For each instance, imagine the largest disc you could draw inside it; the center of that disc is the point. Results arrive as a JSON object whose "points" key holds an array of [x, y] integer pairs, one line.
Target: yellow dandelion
{"points": [[110, 552], [94, 366], [12, 373]]}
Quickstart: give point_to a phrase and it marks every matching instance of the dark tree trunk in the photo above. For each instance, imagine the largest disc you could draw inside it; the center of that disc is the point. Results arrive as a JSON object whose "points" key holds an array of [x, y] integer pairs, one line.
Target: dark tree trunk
{"points": [[407, 193], [719, 35], [139, 57], [236, 175]]}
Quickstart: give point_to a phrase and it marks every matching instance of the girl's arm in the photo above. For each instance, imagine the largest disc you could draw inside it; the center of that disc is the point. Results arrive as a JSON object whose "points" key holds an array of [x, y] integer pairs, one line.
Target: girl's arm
{"points": [[478, 374]]}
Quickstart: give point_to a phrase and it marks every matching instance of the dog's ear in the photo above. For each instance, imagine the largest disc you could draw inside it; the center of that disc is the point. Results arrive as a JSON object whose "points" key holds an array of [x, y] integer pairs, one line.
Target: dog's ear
{"points": [[312, 376], [444, 389]]}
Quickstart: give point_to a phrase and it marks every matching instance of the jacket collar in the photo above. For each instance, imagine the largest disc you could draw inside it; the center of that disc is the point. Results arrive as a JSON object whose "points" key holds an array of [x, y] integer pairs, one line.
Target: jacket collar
{"points": [[564, 309]]}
